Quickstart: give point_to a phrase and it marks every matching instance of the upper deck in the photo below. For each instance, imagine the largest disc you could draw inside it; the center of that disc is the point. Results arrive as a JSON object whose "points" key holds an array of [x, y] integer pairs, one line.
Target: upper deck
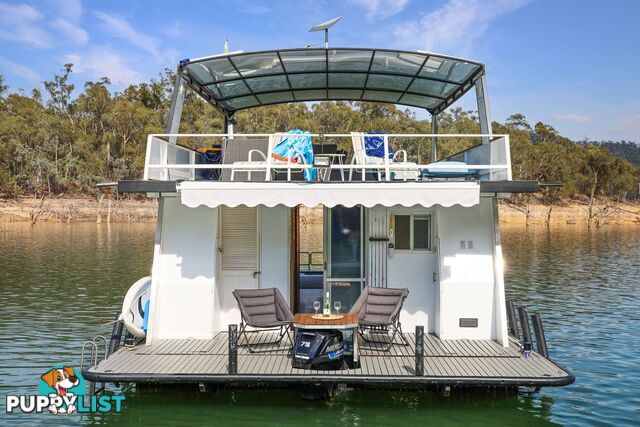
{"points": [[251, 157], [240, 80]]}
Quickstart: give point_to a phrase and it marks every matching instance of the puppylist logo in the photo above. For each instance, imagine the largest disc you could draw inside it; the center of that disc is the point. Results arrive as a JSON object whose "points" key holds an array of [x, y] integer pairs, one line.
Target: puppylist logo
{"points": [[61, 390]]}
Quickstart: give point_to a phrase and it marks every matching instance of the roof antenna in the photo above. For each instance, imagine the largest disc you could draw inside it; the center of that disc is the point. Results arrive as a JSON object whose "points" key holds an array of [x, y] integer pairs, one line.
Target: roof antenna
{"points": [[226, 45], [325, 27]]}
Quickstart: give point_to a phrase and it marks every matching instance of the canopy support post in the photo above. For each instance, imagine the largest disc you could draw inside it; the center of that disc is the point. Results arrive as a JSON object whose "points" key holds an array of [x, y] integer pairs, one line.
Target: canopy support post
{"points": [[434, 140], [484, 114], [229, 121], [175, 111]]}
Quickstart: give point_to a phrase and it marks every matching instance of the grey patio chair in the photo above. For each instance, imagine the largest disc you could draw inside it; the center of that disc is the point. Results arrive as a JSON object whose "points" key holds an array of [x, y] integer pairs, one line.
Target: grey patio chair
{"points": [[378, 311], [263, 310]]}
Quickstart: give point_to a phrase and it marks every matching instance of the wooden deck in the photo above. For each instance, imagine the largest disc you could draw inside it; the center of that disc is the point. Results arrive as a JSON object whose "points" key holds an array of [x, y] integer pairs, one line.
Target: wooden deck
{"points": [[445, 362]]}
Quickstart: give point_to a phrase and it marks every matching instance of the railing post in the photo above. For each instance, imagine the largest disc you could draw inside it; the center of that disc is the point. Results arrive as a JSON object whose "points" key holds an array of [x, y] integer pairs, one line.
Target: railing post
{"points": [[387, 173], [511, 319], [116, 335], [165, 162], [541, 341], [233, 349], [420, 351], [147, 158], [526, 331], [507, 149]]}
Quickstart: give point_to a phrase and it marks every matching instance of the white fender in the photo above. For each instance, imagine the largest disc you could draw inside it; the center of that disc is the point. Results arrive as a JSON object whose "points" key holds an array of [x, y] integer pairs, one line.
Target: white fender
{"points": [[133, 306]]}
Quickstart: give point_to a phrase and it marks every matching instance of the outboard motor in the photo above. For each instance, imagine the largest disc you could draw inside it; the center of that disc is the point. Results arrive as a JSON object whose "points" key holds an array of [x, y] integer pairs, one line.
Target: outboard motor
{"points": [[322, 350]]}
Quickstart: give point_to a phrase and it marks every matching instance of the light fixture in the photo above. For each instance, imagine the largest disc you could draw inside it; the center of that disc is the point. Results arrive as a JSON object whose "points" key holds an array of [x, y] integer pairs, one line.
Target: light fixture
{"points": [[325, 27]]}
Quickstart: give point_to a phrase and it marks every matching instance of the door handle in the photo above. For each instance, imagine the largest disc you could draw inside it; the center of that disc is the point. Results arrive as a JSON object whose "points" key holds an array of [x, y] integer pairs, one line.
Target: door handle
{"points": [[255, 273]]}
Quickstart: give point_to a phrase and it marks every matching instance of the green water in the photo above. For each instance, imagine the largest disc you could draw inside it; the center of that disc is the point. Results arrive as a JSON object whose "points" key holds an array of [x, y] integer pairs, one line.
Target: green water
{"points": [[59, 283]]}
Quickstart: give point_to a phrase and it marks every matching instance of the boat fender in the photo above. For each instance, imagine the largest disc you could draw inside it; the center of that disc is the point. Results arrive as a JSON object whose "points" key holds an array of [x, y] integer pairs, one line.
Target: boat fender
{"points": [[145, 318]]}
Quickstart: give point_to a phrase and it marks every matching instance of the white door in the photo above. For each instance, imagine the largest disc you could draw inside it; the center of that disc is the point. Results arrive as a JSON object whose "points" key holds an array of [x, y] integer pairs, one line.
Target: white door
{"points": [[239, 257], [412, 264]]}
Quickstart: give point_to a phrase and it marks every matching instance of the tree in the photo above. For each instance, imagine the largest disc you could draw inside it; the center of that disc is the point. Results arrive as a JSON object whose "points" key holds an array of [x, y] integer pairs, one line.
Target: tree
{"points": [[3, 88], [60, 91]]}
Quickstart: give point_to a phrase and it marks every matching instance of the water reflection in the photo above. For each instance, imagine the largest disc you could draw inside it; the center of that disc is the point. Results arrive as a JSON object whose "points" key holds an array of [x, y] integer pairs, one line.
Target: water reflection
{"points": [[59, 283]]}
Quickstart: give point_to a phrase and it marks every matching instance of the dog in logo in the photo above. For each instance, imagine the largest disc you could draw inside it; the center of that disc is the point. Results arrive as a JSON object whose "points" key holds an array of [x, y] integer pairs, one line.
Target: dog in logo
{"points": [[61, 380]]}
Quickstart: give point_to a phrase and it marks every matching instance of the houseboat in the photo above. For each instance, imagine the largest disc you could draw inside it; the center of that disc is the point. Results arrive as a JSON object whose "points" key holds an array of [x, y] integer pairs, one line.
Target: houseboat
{"points": [[229, 223]]}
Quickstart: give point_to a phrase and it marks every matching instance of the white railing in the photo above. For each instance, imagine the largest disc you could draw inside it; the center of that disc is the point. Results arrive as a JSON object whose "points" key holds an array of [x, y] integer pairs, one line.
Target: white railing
{"points": [[167, 160]]}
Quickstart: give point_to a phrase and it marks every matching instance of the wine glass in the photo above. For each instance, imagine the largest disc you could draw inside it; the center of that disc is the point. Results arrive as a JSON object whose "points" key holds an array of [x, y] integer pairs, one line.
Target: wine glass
{"points": [[337, 305], [316, 305]]}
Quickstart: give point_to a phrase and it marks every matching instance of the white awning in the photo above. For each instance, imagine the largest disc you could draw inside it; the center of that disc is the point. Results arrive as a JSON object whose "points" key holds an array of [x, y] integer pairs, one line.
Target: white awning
{"points": [[409, 193]]}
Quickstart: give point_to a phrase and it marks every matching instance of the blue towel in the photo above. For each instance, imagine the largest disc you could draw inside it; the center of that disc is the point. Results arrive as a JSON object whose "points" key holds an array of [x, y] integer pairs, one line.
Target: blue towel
{"points": [[301, 148], [374, 145]]}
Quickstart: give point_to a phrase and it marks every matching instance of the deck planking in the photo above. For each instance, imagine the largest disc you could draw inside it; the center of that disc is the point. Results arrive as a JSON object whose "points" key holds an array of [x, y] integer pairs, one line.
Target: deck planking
{"points": [[454, 361]]}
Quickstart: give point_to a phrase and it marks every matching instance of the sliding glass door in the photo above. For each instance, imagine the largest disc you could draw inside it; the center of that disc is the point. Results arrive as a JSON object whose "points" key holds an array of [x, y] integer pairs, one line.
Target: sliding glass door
{"points": [[344, 273]]}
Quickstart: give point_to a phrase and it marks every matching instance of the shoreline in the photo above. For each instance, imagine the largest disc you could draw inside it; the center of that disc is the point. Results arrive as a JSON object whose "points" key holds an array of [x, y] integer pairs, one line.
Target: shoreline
{"points": [[126, 210]]}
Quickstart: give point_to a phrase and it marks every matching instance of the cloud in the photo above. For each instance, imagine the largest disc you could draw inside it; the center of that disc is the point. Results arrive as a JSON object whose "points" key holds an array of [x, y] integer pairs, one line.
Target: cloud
{"points": [[255, 9], [174, 30], [20, 70], [121, 28], [72, 10], [72, 32], [22, 23], [70, 13], [380, 9], [103, 62], [572, 117], [455, 26]]}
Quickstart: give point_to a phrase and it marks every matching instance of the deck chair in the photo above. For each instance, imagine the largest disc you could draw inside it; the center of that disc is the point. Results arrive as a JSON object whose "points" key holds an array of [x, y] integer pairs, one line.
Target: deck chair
{"points": [[378, 311], [258, 161], [263, 310], [402, 168]]}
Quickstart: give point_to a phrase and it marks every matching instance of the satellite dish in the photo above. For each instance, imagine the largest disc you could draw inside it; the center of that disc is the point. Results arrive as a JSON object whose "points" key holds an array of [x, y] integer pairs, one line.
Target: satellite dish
{"points": [[325, 27]]}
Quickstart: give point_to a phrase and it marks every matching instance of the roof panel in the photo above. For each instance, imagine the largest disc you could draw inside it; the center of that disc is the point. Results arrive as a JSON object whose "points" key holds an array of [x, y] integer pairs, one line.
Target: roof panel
{"points": [[275, 97], [378, 95], [243, 102], [349, 59], [345, 94], [213, 71], [267, 84], [432, 87], [243, 80], [338, 80], [383, 81], [302, 95], [304, 60], [231, 88], [397, 62], [419, 101], [442, 68], [307, 81], [257, 64]]}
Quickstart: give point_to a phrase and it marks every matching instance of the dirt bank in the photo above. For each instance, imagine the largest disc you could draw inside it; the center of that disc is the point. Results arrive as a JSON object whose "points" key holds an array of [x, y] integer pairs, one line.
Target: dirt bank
{"points": [[77, 210], [107, 209], [603, 212]]}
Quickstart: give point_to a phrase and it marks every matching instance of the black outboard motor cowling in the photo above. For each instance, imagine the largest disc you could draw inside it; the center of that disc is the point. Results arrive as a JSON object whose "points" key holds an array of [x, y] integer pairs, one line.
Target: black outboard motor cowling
{"points": [[322, 350]]}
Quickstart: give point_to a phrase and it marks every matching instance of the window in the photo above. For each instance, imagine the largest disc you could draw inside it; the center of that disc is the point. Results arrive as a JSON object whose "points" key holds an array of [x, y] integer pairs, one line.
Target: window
{"points": [[413, 232]]}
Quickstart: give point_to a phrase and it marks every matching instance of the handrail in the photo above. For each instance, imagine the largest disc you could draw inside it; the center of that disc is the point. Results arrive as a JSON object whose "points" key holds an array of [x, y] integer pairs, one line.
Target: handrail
{"points": [[333, 135], [185, 157]]}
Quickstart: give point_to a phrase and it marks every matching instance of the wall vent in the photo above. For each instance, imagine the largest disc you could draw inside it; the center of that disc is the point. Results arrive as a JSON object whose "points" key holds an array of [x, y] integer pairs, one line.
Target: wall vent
{"points": [[468, 322]]}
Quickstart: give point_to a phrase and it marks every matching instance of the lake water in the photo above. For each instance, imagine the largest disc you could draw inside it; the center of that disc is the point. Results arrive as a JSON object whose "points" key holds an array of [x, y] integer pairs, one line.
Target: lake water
{"points": [[59, 283]]}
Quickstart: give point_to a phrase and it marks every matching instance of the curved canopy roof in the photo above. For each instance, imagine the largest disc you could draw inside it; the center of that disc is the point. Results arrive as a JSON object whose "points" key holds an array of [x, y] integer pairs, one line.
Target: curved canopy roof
{"points": [[237, 81]]}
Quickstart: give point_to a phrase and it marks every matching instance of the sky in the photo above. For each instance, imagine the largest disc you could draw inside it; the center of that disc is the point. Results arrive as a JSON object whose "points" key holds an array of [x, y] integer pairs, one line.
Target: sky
{"points": [[573, 64]]}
